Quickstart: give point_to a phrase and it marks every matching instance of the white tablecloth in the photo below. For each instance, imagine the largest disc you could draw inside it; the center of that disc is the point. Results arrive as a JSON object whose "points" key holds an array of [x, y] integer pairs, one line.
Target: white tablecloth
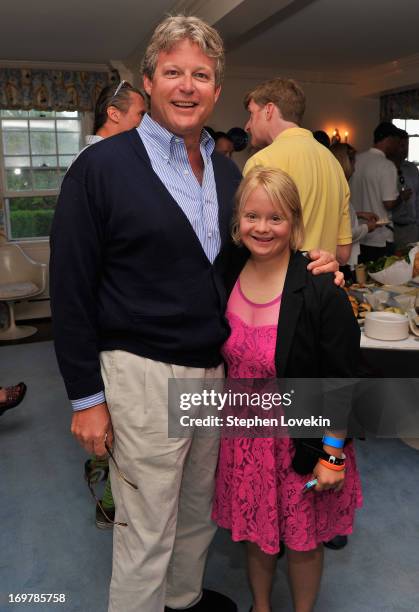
{"points": [[409, 344]]}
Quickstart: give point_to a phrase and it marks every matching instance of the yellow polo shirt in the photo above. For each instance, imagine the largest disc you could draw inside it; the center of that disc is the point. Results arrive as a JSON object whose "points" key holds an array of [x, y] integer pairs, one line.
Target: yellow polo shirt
{"points": [[321, 183]]}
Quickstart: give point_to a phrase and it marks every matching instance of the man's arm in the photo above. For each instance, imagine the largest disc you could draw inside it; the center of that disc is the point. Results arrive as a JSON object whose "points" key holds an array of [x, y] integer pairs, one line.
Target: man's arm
{"points": [[368, 216], [389, 204], [343, 252], [389, 192], [344, 237], [322, 262], [91, 427], [75, 274]]}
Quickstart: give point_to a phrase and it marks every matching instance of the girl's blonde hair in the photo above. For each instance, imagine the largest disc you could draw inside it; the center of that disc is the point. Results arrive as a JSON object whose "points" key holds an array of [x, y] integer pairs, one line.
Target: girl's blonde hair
{"points": [[283, 193]]}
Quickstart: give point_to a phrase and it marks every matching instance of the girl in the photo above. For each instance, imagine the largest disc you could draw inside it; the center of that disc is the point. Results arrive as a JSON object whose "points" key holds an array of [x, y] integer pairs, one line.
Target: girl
{"points": [[285, 322]]}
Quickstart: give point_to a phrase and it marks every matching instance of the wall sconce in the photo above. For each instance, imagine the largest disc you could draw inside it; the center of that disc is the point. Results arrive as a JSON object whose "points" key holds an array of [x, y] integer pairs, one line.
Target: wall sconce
{"points": [[336, 137]]}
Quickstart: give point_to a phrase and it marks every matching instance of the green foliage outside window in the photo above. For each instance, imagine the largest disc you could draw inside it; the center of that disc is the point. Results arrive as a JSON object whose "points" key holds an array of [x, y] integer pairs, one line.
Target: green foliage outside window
{"points": [[31, 217]]}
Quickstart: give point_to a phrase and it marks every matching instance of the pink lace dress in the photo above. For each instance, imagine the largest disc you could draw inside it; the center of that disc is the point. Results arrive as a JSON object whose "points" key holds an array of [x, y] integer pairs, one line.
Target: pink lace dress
{"points": [[258, 495]]}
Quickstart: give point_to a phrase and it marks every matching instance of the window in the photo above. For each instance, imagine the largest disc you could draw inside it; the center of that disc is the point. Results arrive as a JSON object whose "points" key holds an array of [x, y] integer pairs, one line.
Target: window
{"points": [[36, 148], [411, 126]]}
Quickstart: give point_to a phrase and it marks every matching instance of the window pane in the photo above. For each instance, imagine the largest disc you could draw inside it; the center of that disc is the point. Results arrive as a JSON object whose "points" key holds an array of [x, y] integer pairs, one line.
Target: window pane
{"points": [[400, 123], [414, 150], [43, 143], [45, 179], [412, 126], [18, 179], [68, 125], [68, 143], [44, 161], [42, 125], [13, 113], [16, 143], [14, 124], [31, 217], [67, 114], [17, 162], [65, 160], [41, 113]]}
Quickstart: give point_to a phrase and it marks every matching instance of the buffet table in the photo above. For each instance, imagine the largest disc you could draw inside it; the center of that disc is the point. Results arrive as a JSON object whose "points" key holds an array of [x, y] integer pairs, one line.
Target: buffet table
{"points": [[390, 358], [409, 344]]}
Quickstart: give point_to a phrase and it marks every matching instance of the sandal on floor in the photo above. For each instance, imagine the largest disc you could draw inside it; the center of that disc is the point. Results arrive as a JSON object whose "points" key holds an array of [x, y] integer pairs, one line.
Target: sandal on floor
{"points": [[14, 395]]}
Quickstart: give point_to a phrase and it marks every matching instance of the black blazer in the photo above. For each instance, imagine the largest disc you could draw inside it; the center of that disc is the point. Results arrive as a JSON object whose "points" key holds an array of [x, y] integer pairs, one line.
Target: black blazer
{"points": [[318, 336]]}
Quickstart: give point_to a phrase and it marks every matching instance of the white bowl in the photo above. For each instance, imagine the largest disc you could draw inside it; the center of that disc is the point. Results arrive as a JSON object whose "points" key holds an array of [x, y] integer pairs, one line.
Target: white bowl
{"points": [[386, 326]]}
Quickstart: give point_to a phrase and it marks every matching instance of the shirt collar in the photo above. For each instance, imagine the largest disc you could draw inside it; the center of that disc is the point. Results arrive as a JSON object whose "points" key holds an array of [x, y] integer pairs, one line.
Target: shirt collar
{"points": [[374, 150], [294, 131], [92, 138], [164, 141]]}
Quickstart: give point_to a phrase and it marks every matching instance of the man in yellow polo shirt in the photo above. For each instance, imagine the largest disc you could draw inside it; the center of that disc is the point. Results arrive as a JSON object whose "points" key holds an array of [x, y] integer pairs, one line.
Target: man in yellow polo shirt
{"points": [[276, 108]]}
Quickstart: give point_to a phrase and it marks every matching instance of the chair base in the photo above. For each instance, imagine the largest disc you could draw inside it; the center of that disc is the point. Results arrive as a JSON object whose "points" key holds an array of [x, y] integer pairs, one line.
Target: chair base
{"points": [[412, 442], [17, 332]]}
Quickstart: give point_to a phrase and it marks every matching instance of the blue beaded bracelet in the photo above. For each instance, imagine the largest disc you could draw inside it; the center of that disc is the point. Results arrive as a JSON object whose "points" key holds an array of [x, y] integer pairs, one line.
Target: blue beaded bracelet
{"points": [[333, 442]]}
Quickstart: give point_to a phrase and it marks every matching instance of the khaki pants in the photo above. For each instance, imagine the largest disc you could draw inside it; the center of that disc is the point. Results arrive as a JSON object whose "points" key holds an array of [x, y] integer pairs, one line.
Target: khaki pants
{"points": [[159, 558]]}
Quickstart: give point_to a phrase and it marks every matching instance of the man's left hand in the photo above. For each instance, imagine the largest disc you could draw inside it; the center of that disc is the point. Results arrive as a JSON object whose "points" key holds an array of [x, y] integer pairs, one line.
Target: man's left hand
{"points": [[323, 261]]}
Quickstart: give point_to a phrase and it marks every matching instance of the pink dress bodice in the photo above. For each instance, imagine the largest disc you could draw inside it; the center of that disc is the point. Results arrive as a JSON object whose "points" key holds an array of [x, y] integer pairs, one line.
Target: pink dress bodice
{"points": [[250, 349]]}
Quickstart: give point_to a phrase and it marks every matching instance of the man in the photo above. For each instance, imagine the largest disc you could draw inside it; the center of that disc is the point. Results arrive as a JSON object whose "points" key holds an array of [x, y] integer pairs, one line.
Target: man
{"points": [[374, 190], [406, 213], [136, 301], [223, 144], [276, 109], [118, 108]]}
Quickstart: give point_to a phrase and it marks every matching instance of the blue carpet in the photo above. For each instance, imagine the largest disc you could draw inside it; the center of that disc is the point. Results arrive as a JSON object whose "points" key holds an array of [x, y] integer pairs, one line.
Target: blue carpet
{"points": [[49, 543]]}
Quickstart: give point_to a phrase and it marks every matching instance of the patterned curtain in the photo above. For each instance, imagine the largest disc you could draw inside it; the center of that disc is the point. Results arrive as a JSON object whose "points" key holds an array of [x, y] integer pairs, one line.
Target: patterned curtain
{"points": [[58, 90], [401, 105]]}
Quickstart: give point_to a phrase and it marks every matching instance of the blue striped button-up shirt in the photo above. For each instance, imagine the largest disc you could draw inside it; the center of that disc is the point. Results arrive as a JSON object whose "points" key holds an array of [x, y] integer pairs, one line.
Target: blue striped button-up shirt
{"points": [[169, 159]]}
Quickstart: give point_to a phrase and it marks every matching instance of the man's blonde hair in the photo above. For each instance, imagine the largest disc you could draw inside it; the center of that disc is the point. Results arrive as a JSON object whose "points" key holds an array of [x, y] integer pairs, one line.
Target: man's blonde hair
{"points": [[176, 28], [283, 193], [286, 94]]}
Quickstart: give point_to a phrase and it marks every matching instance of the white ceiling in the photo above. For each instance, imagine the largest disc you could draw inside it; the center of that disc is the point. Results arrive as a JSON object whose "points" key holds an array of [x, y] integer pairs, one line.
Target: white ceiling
{"points": [[342, 36], [75, 30], [348, 35]]}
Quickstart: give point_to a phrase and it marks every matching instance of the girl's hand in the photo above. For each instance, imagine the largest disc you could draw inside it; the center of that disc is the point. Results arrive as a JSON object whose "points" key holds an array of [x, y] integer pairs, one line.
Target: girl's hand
{"points": [[327, 478]]}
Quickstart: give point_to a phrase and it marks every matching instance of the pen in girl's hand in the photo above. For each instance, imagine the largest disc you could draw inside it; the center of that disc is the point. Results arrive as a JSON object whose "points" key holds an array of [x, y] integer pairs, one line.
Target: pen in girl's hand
{"points": [[309, 485]]}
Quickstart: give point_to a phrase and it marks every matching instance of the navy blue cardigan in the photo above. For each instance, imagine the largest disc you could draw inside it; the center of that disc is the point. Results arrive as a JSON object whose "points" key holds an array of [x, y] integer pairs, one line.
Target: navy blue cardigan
{"points": [[127, 269]]}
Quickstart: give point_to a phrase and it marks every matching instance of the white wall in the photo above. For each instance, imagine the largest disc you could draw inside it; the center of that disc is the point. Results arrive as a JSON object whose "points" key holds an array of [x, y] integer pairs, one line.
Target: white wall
{"points": [[328, 106]]}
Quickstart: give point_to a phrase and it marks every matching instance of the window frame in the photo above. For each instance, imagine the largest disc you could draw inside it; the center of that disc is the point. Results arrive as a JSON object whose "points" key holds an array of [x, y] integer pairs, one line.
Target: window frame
{"points": [[7, 194], [411, 135]]}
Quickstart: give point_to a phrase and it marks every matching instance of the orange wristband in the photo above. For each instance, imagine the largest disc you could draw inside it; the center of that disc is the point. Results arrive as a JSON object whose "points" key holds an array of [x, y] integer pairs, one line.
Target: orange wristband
{"points": [[331, 466]]}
